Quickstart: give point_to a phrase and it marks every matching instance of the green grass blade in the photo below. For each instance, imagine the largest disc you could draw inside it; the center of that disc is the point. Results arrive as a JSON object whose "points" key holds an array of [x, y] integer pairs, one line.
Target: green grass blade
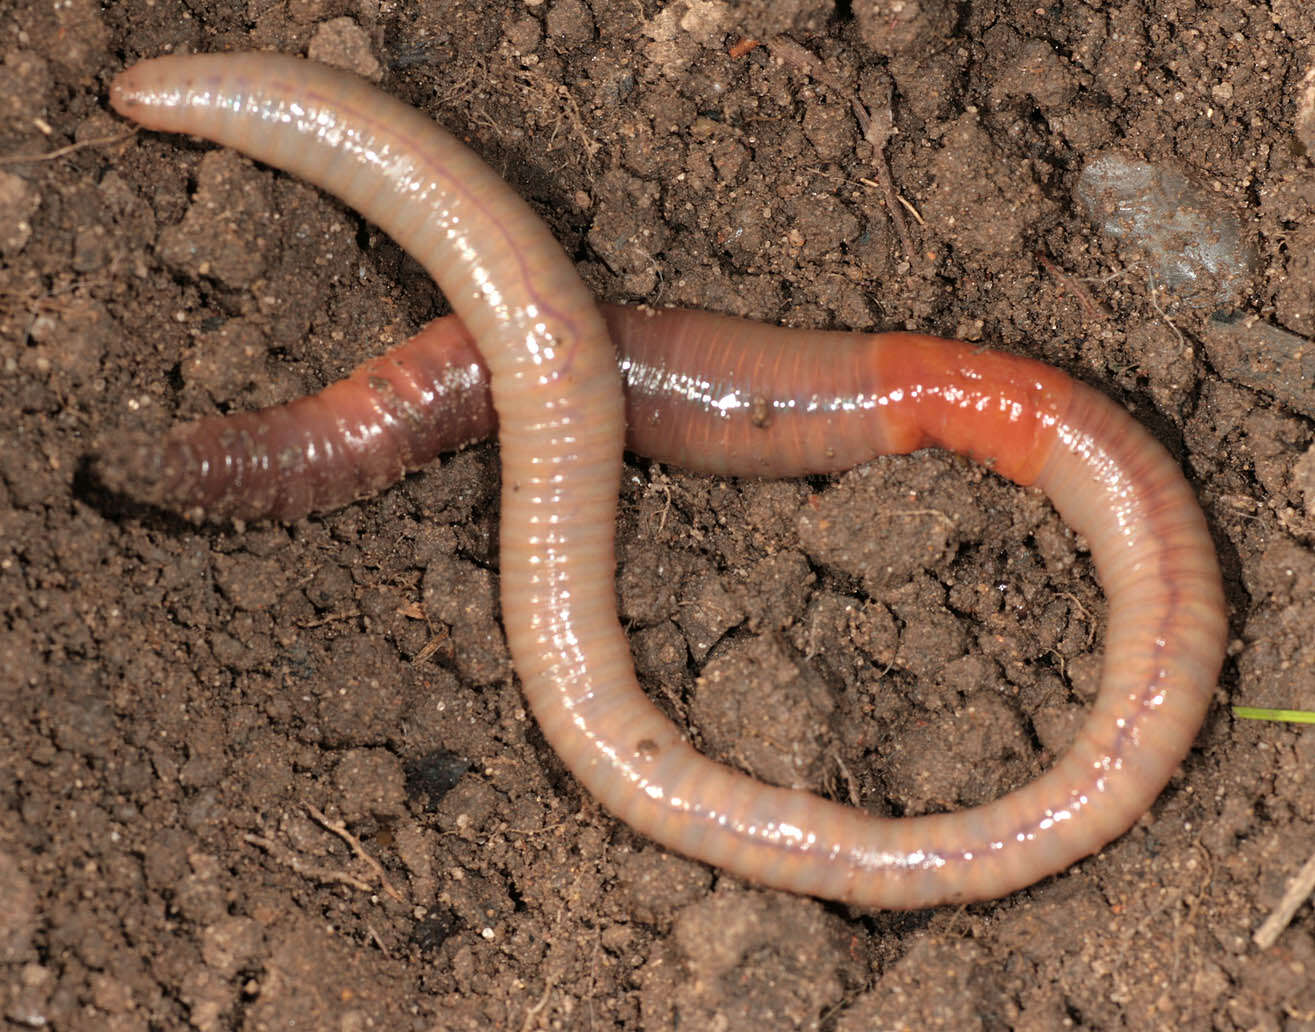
{"points": [[1286, 716]]}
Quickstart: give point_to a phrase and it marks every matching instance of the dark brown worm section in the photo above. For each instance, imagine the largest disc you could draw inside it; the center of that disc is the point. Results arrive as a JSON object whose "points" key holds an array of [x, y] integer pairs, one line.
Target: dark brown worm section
{"points": [[394, 414]]}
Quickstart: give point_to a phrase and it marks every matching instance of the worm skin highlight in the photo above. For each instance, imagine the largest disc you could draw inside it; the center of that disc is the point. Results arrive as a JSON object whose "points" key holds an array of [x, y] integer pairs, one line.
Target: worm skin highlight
{"points": [[729, 396]]}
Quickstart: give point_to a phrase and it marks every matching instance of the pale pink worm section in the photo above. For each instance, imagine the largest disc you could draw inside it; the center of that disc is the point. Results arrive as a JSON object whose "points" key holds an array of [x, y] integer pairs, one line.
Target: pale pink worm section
{"points": [[558, 404]]}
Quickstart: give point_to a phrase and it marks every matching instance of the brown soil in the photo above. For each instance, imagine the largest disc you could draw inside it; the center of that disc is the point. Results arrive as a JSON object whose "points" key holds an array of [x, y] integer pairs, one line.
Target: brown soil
{"points": [[187, 714]]}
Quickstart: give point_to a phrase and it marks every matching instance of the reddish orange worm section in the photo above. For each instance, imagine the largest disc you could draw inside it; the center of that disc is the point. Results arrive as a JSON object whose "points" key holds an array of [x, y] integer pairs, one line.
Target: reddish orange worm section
{"points": [[735, 397]]}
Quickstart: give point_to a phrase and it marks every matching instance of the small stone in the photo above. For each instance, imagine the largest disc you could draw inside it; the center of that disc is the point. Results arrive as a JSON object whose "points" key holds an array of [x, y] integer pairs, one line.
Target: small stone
{"points": [[344, 44], [1305, 121], [19, 200]]}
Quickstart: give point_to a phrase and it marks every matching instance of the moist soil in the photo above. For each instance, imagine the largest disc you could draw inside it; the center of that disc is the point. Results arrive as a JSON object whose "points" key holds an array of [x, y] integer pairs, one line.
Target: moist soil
{"points": [[275, 777]]}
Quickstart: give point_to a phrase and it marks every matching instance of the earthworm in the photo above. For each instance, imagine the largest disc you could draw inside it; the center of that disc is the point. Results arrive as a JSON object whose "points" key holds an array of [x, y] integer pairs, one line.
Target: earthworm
{"points": [[556, 392], [395, 413]]}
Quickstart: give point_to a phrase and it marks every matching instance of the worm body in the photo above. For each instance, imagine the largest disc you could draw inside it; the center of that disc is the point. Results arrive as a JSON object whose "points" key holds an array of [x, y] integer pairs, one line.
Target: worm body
{"points": [[729, 396]]}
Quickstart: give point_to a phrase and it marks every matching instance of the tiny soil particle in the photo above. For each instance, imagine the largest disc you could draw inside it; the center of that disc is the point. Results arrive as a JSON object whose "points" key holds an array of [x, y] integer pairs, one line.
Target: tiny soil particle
{"points": [[917, 634]]}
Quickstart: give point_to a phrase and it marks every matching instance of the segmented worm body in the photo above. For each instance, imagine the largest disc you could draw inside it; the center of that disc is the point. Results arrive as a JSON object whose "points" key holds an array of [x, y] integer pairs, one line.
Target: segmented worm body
{"points": [[729, 396], [392, 415]]}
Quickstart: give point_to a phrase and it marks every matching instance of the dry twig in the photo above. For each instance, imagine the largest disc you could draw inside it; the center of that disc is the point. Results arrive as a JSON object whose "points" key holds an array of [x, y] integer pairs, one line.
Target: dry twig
{"points": [[340, 829], [59, 152], [283, 855], [1298, 891]]}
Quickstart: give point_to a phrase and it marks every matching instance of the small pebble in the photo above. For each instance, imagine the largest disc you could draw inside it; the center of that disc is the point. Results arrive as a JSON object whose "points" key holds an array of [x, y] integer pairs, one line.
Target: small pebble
{"points": [[1305, 121], [18, 201], [341, 42]]}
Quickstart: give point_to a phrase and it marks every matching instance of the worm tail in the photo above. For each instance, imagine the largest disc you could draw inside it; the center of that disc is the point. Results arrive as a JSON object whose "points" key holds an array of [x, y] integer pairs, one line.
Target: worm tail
{"points": [[394, 414]]}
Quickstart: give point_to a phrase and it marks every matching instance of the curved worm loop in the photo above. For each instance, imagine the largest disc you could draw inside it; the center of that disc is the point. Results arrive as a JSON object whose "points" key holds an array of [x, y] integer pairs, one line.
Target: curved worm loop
{"points": [[728, 396]]}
